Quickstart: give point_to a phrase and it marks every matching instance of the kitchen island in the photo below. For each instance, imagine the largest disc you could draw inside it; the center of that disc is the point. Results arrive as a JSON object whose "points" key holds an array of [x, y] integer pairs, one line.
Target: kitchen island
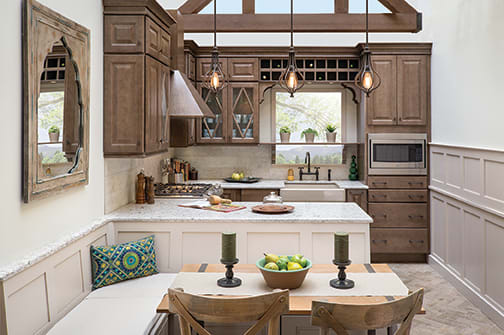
{"points": [[188, 236]]}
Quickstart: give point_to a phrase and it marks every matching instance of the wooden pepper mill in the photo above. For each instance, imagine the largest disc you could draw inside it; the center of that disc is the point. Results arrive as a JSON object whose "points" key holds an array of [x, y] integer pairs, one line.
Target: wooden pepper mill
{"points": [[149, 190], [140, 188]]}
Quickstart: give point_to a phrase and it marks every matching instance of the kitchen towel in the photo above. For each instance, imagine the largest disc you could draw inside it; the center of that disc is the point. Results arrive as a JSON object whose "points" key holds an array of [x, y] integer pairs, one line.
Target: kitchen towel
{"points": [[315, 284]]}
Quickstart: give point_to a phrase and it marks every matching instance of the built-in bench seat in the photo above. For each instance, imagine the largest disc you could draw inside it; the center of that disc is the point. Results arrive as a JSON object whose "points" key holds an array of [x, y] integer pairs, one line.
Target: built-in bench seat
{"points": [[124, 308]]}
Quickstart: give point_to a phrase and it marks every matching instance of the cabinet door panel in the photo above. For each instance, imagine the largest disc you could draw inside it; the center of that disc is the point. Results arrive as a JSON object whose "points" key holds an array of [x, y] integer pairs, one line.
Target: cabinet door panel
{"points": [[398, 182], [164, 118], [203, 66], [213, 130], [123, 34], [389, 241], [123, 104], [243, 111], [412, 90], [165, 48], [181, 132], [382, 104], [243, 69], [405, 215], [398, 195], [152, 89], [152, 38], [359, 197]]}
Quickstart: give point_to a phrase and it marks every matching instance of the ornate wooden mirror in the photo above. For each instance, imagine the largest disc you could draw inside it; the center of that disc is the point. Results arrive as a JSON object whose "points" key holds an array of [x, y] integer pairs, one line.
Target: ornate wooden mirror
{"points": [[56, 102]]}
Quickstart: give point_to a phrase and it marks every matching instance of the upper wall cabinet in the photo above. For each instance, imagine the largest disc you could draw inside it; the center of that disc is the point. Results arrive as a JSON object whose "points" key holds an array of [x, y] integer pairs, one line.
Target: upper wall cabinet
{"points": [[56, 70], [235, 69], [236, 110], [136, 79], [402, 98]]}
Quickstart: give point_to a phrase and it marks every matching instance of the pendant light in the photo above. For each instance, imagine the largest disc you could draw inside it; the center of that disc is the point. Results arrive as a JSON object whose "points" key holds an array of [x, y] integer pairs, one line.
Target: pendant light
{"points": [[291, 79], [367, 80], [215, 78]]}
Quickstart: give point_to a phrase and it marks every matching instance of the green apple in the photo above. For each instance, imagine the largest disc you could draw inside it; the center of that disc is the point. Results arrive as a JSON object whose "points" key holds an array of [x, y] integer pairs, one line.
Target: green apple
{"points": [[235, 176]]}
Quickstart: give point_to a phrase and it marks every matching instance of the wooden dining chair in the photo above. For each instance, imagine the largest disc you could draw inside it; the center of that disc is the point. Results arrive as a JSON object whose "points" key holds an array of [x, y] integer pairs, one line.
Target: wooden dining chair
{"points": [[344, 317], [262, 309]]}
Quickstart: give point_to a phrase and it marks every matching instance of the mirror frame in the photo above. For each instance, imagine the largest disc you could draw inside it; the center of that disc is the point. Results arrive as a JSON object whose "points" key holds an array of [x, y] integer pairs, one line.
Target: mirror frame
{"points": [[42, 27]]}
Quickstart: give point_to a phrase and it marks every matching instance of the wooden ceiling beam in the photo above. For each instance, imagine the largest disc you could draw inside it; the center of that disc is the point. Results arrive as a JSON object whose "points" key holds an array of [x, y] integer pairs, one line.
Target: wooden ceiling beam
{"points": [[193, 6], [398, 6], [307, 23], [248, 6], [340, 6]]}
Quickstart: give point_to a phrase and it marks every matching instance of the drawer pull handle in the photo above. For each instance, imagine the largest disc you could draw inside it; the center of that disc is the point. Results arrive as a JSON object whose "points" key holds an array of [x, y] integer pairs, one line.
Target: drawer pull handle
{"points": [[415, 216], [383, 216], [411, 183], [416, 241], [377, 241], [379, 183], [379, 195], [415, 196]]}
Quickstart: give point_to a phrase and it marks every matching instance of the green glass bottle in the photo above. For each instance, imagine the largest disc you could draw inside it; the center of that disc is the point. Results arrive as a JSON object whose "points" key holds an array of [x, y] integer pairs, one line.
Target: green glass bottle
{"points": [[354, 171]]}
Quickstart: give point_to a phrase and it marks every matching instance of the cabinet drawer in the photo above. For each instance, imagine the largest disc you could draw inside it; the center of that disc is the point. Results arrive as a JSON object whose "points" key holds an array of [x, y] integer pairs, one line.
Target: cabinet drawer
{"points": [[399, 241], [397, 195], [255, 195], [243, 69], [398, 182], [152, 38], [204, 65], [399, 215], [233, 194], [123, 34], [165, 44]]}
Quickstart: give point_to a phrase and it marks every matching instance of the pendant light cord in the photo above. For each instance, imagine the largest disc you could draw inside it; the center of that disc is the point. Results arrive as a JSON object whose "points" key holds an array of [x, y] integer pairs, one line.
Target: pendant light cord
{"points": [[215, 23], [367, 23], [292, 23]]}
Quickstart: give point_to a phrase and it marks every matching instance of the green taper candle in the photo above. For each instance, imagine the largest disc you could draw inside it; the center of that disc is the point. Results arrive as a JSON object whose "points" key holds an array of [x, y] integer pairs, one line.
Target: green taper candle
{"points": [[228, 247], [341, 247]]}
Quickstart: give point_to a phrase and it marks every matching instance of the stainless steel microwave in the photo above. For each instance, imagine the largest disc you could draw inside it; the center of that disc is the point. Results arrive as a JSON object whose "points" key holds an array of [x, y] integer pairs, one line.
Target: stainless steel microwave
{"points": [[397, 154]]}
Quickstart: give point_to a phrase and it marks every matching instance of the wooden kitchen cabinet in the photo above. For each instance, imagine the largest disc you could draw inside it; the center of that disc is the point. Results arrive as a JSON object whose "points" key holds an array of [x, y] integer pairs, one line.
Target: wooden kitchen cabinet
{"points": [[402, 98], [233, 194], [136, 80], [243, 69], [182, 132], [359, 197], [256, 195], [203, 66], [236, 110], [382, 103]]}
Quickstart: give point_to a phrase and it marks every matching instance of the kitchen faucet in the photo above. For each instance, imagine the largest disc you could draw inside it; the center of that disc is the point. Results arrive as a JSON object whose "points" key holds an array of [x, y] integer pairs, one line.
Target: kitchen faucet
{"points": [[309, 173]]}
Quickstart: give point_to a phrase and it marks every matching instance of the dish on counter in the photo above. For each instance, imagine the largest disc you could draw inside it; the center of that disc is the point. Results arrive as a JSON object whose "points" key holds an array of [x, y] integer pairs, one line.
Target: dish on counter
{"points": [[273, 209], [245, 180]]}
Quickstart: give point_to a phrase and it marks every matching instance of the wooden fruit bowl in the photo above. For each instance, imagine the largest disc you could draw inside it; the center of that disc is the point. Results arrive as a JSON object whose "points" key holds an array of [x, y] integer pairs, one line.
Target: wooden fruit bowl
{"points": [[283, 279]]}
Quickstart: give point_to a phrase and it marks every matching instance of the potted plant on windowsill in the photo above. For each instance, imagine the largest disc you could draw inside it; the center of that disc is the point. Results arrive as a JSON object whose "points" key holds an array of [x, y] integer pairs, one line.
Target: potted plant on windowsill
{"points": [[285, 133], [54, 133], [331, 133], [309, 135]]}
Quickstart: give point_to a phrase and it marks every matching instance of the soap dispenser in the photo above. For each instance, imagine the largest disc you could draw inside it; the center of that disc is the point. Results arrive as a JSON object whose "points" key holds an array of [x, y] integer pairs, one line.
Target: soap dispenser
{"points": [[290, 174]]}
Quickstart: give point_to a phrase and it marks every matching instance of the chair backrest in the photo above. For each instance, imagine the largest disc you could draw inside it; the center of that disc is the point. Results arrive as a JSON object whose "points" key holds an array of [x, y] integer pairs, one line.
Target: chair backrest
{"points": [[343, 317], [263, 309]]}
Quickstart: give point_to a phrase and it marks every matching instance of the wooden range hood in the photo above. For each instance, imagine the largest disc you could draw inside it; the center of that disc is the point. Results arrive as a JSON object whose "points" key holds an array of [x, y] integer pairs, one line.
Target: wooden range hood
{"points": [[185, 101]]}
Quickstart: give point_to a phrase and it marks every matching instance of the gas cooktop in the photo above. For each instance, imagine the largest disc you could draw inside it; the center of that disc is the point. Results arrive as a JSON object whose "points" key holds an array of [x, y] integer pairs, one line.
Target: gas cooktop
{"points": [[181, 190]]}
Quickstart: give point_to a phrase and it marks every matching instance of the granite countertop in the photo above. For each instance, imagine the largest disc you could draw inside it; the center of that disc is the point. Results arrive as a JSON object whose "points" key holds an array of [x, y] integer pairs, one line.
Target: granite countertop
{"points": [[167, 210], [278, 184]]}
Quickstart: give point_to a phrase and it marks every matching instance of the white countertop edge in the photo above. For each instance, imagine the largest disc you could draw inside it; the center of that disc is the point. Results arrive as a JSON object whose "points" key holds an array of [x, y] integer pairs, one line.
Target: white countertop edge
{"points": [[278, 184]]}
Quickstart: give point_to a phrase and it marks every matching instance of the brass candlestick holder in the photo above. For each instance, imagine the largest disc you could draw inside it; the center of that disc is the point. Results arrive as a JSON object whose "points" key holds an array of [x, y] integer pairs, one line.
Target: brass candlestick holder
{"points": [[230, 280], [342, 282]]}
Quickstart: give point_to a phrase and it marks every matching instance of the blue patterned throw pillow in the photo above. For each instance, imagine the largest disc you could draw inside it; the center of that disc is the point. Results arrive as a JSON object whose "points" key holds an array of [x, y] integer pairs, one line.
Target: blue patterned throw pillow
{"points": [[112, 264]]}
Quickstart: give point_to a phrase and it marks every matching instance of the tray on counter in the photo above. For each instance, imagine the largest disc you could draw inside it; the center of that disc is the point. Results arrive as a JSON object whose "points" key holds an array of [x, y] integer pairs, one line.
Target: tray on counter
{"points": [[244, 180]]}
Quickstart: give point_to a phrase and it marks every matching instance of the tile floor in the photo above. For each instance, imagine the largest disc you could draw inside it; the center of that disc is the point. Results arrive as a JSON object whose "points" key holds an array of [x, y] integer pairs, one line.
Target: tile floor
{"points": [[448, 311]]}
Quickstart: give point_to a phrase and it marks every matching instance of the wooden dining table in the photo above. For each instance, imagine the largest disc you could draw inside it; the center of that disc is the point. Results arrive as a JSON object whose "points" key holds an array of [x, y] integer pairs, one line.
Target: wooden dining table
{"points": [[299, 305]]}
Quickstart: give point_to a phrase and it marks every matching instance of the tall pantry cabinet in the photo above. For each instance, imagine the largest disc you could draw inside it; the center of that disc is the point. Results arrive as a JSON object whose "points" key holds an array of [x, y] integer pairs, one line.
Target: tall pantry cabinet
{"points": [[137, 63]]}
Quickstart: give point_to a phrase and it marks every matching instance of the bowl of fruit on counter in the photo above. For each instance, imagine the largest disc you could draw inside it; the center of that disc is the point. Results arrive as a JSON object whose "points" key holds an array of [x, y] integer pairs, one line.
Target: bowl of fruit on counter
{"points": [[284, 271]]}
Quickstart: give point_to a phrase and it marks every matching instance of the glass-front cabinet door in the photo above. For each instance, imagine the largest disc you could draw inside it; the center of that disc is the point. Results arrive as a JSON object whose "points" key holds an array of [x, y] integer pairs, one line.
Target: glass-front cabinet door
{"points": [[243, 111], [214, 130]]}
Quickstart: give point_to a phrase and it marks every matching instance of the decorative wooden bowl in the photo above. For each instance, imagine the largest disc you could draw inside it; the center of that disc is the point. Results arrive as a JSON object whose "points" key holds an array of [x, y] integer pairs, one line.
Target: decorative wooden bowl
{"points": [[283, 279], [273, 209]]}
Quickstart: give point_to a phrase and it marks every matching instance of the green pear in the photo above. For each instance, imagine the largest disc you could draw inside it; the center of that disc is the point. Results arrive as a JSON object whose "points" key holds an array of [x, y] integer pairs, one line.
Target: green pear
{"points": [[271, 258]]}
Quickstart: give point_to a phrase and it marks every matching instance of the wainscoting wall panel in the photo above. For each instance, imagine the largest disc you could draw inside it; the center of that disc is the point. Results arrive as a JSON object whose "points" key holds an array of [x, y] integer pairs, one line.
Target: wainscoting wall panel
{"points": [[39, 296], [467, 220]]}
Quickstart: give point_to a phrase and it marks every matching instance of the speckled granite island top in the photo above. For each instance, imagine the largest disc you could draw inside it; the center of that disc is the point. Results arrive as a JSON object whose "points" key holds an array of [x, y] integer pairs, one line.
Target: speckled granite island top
{"points": [[167, 210], [278, 184]]}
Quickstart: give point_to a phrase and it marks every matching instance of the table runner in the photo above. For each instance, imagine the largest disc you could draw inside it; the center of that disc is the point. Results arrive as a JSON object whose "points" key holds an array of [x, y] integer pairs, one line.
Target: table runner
{"points": [[315, 284]]}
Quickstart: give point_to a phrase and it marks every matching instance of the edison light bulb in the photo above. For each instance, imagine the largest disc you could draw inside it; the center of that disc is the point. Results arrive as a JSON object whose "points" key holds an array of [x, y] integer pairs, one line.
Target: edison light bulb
{"points": [[367, 80], [292, 80], [215, 82]]}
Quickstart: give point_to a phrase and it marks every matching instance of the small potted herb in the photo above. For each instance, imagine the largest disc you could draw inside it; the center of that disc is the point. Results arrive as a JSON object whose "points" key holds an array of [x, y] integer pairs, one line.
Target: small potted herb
{"points": [[331, 133], [54, 133], [285, 133], [309, 135]]}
